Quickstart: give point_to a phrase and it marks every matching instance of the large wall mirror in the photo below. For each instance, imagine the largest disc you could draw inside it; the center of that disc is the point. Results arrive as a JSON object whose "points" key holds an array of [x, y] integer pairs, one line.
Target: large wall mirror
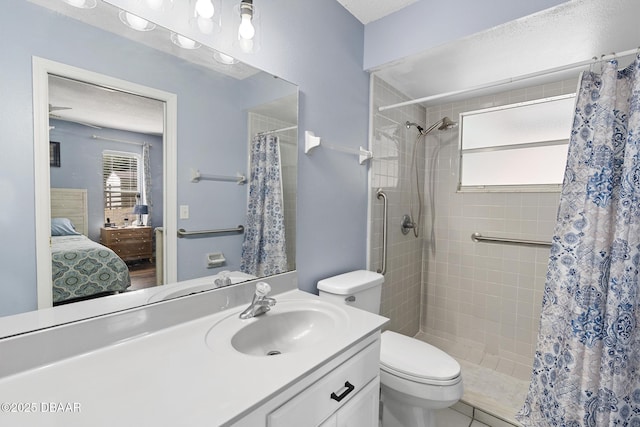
{"points": [[136, 138]]}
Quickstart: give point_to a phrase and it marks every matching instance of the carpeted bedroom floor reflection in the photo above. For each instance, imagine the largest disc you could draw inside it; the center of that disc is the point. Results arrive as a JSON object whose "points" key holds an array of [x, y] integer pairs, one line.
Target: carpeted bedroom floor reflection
{"points": [[143, 275]]}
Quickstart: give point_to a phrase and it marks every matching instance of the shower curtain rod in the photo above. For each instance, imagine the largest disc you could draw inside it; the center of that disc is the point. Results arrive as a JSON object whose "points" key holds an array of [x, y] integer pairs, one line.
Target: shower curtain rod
{"points": [[512, 79], [268, 132]]}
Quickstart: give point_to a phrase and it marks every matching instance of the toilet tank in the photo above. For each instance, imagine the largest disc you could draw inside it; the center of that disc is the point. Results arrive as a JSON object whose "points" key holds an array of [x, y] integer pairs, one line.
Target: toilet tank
{"points": [[360, 289]]}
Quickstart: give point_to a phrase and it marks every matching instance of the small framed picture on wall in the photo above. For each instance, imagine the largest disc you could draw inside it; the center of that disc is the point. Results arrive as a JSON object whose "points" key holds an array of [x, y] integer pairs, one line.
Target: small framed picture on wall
{"points": [[54, 154]]}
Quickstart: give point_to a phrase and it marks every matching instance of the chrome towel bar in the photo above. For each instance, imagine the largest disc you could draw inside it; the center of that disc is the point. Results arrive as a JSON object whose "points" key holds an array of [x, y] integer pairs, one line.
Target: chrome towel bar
{"points": [[477, 237], [183, 233]]}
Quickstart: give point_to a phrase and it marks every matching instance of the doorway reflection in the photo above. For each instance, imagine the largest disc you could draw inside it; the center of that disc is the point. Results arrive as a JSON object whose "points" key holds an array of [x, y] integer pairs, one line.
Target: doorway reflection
{"points": [[111, 150]]}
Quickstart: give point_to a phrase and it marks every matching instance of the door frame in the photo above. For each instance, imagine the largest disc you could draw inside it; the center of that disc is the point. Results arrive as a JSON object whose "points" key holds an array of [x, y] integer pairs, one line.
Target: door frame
{"points": [[41, 70]]}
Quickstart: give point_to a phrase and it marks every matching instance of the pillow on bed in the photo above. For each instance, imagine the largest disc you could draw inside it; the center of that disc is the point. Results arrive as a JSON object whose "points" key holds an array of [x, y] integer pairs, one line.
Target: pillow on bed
{"points": [[62, 227]]}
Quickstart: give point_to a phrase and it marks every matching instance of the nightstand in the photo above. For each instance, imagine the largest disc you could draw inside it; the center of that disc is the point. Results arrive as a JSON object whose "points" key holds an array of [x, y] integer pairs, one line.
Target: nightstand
{"points": [[130, 243]]}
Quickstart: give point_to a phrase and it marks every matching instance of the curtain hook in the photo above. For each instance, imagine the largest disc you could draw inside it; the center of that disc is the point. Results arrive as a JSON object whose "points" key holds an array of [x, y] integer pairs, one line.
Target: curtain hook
{"points": [[594, 60]]}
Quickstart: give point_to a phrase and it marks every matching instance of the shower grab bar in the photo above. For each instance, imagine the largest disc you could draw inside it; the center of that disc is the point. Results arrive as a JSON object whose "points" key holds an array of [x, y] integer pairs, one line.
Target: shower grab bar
{"points": [[477, 237], [381, 194], [183, 233]]}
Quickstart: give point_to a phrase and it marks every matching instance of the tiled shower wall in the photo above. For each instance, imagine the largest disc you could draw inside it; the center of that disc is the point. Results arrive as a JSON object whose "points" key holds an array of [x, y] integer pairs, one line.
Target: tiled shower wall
{"points": [[479, 301], [289, 164], [392, 143]]}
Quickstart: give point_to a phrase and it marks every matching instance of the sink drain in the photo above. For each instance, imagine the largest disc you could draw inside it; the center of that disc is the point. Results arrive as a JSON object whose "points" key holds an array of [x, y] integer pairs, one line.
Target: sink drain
{"points": [[273, 353]]}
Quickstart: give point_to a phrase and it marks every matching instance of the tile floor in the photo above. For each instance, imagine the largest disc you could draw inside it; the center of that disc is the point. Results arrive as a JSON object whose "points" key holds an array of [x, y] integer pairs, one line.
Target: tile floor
{"points": [[452, 418], [493, 393]]}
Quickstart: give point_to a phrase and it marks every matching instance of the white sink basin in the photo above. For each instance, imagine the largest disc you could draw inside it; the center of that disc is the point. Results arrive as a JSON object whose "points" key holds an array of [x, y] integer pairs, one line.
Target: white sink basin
{"points": [[290, 326]]}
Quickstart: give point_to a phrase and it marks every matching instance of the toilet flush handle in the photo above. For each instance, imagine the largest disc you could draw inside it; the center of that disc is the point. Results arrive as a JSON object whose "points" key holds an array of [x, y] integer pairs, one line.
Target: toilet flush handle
{"points": [[350, 298]]}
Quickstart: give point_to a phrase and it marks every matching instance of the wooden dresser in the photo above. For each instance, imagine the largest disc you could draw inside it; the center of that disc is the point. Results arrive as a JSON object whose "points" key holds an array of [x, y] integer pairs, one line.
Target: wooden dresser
{"points": [[131, 243]]}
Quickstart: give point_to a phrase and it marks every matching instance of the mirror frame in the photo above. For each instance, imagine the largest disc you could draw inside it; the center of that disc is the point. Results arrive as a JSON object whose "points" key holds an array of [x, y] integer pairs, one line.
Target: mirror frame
{"points": [[41, 70]]}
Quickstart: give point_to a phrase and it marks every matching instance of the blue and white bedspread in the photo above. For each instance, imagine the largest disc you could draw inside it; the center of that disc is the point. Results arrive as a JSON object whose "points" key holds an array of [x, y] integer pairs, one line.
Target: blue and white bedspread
{"points": [[82, 267]]}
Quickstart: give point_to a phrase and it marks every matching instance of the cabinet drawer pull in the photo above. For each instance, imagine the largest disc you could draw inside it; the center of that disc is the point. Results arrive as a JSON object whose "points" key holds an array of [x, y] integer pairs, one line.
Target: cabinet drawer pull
{"points": [[350, 387]]}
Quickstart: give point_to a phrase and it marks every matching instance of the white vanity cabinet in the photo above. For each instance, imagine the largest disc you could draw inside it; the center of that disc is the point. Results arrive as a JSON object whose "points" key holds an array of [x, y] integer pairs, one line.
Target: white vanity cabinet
{"points": [[346, 389], [360, 411], [343, 392]]}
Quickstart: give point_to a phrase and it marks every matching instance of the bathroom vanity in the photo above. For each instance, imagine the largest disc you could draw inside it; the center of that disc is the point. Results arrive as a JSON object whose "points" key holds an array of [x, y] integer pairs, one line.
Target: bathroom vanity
{"points": [[192, 361]]}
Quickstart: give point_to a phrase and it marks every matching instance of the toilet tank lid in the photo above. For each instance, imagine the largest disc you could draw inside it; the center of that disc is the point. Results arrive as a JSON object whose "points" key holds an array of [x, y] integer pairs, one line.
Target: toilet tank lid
{"points": [[351, 282]]}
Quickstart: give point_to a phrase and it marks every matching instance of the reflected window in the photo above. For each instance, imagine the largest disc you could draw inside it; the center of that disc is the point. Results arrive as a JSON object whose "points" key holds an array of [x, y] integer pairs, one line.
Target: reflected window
{"points": [[121, 181]]}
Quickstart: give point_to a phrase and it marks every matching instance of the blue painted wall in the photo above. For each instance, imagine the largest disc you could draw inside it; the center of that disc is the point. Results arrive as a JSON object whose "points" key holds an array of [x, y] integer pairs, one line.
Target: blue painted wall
{"points": [[81, 166]]}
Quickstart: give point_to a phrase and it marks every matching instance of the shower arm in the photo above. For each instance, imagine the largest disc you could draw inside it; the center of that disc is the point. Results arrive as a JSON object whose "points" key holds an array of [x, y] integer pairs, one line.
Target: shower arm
{"points": [[442, 124]]}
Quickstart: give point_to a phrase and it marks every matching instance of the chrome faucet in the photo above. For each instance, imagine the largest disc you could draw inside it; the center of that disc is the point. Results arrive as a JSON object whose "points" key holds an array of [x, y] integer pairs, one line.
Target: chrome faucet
{"points": [[260, 303]]}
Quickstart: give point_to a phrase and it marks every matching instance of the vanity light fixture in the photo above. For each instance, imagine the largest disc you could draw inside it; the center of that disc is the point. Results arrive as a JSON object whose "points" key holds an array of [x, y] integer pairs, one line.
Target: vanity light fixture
{"points": [[223, 58], [184, 42], [82, 4], [247, 29], [135, 22]]}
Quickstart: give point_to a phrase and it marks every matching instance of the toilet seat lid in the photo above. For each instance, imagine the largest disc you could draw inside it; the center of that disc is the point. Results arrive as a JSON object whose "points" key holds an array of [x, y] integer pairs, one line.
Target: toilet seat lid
{"points": [[416, 359]]}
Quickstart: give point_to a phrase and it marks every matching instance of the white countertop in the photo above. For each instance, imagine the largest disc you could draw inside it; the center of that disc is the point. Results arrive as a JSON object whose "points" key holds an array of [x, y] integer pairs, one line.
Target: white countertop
{"points": [[62, 314], [169, 377]]}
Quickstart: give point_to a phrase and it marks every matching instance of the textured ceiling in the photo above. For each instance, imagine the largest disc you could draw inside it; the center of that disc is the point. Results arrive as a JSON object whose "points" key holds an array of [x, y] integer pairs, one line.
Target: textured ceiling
{"points": [[371, 10], [568, 33], [92, 105]]}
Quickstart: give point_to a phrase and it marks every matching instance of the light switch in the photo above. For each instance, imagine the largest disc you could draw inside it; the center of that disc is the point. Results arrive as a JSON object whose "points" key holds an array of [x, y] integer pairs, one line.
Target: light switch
{"points": [[184, 211]]}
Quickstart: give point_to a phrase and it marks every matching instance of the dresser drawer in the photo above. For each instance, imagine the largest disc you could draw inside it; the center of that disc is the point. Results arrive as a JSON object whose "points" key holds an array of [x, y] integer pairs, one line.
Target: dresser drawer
{"points": [[129, 243], [128, 249], [128, 234], [329, 394]]}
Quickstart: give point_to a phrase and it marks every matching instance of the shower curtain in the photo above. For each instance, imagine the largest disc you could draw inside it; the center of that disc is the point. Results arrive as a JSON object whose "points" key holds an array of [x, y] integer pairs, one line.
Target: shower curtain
{"points": [[146, 189], [264, 248], [585, 370]]}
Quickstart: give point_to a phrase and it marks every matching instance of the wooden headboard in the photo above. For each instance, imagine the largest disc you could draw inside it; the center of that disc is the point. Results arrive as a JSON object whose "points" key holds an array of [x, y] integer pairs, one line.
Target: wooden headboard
{"points": [[71, 203]]}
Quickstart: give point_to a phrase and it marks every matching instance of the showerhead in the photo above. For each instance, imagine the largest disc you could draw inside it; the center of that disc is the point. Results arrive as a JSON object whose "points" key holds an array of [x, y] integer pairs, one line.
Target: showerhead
{"points": [[444, 124], [447, 123]]}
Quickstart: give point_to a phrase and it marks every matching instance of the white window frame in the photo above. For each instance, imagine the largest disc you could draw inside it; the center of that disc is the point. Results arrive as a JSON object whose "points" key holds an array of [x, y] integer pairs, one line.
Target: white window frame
{"points": [[535, 187], [139, 172]]}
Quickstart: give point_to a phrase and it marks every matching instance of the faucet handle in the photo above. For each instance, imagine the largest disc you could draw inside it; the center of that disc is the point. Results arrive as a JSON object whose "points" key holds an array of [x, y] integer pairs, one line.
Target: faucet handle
{"points": [[262, 289]]}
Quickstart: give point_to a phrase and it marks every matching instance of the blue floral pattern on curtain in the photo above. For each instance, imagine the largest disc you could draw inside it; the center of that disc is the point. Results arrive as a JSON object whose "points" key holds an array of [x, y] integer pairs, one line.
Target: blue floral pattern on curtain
{"points": [[587, 359], [264, 247], [146, 171]]}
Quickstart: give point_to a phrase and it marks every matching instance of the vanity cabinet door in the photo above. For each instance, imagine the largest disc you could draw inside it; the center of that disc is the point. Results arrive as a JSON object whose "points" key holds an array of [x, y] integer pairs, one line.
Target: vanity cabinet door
{"points": [[363, 409], [333, 392]]}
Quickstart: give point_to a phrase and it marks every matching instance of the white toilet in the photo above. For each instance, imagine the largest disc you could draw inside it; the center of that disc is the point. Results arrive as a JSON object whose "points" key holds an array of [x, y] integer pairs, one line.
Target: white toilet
{"points": [[416, 377]]}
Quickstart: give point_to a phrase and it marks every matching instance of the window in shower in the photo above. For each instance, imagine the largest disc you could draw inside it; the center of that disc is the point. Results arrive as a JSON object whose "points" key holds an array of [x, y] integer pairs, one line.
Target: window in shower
{"points": [[517, 147]]}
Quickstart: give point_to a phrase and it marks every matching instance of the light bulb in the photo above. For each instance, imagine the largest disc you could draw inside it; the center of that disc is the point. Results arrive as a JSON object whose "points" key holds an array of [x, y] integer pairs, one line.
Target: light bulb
{"points": [[136, 22], [82, 4], [246, 30], [205, 25], [224, 58], [155, 4], [186, 42], [204, 9]]}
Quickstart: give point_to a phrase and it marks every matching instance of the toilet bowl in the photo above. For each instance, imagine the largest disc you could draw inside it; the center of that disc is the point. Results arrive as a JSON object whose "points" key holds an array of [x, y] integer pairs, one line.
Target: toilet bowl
{"points": [[416, 378]]}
